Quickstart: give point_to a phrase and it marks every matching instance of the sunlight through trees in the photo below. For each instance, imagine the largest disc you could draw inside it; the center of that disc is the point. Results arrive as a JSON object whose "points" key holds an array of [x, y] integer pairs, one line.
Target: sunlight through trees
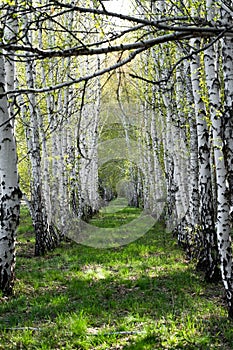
{"points": [[106, 100]]}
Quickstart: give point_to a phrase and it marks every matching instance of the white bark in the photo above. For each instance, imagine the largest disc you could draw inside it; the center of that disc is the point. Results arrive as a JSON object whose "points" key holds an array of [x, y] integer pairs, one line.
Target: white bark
{"points": [[158, 176], [9, 192], [37, 197], [149, 192], [205, 242], [194, 198], [10, 36], [227, 62], [181, 151], [44, 241], [44, 141], [223, 219]]}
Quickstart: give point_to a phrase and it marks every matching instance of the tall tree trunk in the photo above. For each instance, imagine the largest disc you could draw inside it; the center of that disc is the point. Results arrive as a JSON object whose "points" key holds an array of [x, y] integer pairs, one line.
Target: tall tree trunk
{"points": [[194, 198], [43, 239], [227, 63], [9, 191], [10, 36], [206, 243], [223, 208]]}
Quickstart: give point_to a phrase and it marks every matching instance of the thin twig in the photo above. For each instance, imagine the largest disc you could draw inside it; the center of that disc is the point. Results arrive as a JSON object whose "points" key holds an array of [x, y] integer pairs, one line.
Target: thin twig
{"points": [[79, 121], [118, 333], [22, 329], [190, 55]]}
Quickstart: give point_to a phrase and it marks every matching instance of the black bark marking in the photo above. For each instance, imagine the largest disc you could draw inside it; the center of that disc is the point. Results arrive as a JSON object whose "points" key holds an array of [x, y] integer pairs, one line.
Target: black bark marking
{"points": [[6, 281], [6, 139]]}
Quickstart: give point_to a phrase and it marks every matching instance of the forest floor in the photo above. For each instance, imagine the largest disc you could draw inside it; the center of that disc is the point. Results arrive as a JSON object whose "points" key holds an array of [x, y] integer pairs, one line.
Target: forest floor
{"points": [[141, 296]]}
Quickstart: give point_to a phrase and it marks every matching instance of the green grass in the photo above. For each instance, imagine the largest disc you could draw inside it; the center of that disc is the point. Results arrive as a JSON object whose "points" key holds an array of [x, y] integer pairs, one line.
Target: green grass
{"points": [[141, 296], [115, 215]]}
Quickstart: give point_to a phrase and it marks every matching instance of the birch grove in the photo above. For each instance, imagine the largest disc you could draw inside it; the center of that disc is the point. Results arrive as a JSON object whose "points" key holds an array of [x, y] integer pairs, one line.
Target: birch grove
{"points": [[159, 77]]}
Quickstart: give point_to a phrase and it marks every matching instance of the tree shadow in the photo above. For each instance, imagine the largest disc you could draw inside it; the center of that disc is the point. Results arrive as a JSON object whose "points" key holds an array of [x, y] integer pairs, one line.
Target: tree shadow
{"points": [[158, 301]]}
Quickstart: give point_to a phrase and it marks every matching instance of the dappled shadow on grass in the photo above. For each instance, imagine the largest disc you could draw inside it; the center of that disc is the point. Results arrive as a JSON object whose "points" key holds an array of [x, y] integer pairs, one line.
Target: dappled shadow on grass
{"points": [[164, 292], [158, 305], [146, 287], [106, 298]]}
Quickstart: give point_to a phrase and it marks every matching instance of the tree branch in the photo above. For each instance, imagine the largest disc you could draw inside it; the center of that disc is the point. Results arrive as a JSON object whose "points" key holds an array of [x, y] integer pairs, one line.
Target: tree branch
{"points": [[190, 55], [78, 51], [120, 63]]}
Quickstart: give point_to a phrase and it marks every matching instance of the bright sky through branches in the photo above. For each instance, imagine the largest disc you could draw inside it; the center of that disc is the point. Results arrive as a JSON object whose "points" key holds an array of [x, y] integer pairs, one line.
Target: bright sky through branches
{"points": [[118, 6]]}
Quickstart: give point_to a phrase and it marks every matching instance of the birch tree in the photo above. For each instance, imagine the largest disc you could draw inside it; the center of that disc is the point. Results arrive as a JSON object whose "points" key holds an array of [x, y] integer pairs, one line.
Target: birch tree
{"points": [[205, 234], [43, 237], [227, 49], [217, 119], [9, 189]]}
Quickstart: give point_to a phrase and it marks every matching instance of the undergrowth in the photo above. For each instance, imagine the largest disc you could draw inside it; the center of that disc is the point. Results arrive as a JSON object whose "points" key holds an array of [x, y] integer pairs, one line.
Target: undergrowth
{"points": [[141, 296]]}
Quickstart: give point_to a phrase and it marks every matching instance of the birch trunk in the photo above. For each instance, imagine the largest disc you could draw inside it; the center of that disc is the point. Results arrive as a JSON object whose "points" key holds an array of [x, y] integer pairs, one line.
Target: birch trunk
{"points": [[44, 240], [10, 36], [149, 192], [9, 191], [158, 176], [227, 62], [194, 198], [223, 208], [44, 140], [205, 239], [173, 173]]}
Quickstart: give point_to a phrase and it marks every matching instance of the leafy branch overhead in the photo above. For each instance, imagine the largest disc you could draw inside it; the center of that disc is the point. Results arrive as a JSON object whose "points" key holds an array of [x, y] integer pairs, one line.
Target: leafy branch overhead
{"points": [[131, 36]]}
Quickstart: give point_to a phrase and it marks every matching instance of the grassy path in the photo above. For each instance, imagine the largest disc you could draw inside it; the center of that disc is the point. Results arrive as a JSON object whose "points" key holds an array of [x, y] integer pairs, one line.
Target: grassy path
{"points": [[141, 296]]}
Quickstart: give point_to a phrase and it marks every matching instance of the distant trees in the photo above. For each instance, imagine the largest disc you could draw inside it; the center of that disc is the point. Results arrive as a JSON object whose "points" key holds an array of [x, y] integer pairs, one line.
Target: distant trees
{"points": [[174, 100]]}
